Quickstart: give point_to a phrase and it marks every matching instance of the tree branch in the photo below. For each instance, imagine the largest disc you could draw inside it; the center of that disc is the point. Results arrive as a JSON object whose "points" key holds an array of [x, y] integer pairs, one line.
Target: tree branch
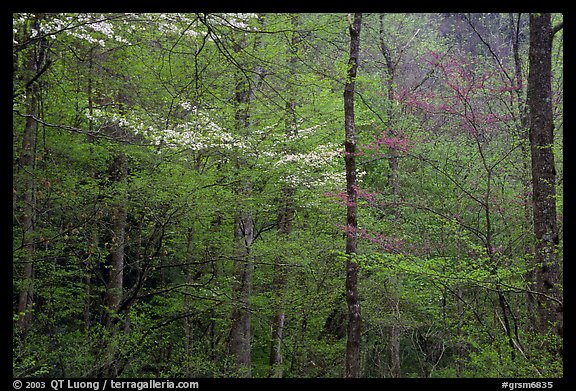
{"points": [[557, 28]]}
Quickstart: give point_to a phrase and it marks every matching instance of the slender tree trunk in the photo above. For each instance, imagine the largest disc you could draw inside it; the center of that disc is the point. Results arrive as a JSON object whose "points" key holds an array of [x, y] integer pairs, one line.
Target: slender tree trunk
{"points": [[279, 288], [119, 173], [276, 358], [27, 160], [95, 240], [547, 263], [239, 340], [188, 303], [112, 364], [388, 82], [285, 217], [394, 332], [523, 135], [36, 64], [280, 285], [354, 316]]}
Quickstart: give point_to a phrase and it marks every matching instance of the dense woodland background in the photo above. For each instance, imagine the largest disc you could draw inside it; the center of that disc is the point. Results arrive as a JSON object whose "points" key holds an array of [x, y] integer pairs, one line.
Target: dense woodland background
{"points": [[182, 195]]}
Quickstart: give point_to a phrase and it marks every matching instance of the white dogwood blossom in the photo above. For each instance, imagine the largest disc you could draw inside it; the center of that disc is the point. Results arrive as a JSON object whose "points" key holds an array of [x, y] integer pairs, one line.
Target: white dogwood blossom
{"points": [[200, 132], [312, 169], [317, 158]]}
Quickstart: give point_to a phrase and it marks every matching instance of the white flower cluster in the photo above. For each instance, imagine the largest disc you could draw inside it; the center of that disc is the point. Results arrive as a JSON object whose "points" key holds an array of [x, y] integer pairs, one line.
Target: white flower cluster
{"points": [[100, 116], [98, 31], [188, 107], [239, 20], [169, 23], [199, 133], [93, 28], [313, 169], [98, 28], [182, 24], [330, 178], [316, 159], [197, 136]]}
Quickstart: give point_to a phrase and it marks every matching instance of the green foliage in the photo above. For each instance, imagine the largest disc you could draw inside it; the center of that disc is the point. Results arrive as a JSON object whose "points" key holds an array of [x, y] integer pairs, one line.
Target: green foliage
{"points": [[446, 262]]}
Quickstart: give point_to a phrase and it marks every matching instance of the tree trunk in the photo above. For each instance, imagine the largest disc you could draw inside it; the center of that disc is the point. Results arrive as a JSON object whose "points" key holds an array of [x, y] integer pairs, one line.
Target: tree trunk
{"points": [[280, 284], [239, 342], [394, 340], [285, 217], [522, 133], [119, 173], [394, 333], [279, 287], [239, 339], [112, 364], [354, 318], [547, 271], [36, 64], [27, 160]]}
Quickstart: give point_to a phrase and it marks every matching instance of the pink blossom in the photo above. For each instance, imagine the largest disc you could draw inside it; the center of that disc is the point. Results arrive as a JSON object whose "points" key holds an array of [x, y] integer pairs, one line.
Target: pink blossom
{"points": [[390, 139]]}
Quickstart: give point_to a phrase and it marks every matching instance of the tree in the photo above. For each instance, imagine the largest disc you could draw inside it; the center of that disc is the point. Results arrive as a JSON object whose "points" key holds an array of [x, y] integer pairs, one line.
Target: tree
{"points": [[36, 62], [390, 85], [352, 299], [547, 260], [285, 215], [244, 232]]}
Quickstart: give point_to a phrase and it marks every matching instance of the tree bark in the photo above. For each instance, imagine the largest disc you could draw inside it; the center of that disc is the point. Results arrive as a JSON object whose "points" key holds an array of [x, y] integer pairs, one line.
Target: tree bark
{"points": [[114, 293], [112, 364], [280, 284], [239, 343], [36, 64], [393, 180], [239, 339], [523, 135], [279, 287], [27, 160], [394, 332], [354, 315], [539, 98], [285, 217]]}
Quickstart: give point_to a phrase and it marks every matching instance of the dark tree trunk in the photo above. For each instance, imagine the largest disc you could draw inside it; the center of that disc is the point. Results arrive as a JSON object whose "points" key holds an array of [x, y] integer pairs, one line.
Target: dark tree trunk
{"points": [[112, 364], [547, 263], [354, 318], [27, 159], [119, 173], [36, 64], [522, 133]]}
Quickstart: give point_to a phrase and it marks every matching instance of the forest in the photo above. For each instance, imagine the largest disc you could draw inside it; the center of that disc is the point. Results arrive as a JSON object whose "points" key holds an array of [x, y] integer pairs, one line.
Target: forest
{"points": [[287, 195]]}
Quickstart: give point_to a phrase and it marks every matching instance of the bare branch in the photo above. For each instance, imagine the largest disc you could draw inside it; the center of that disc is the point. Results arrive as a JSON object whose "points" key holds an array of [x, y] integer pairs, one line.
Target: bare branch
{"points": [[557, 28]]}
